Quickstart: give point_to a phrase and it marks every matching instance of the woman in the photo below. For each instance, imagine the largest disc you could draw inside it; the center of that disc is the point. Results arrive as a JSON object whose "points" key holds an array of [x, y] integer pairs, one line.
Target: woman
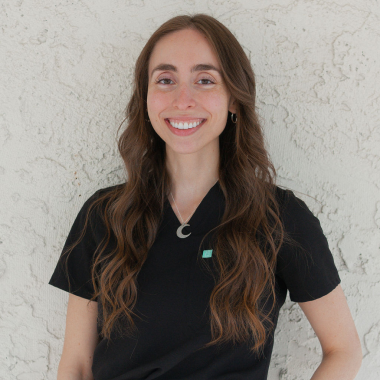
{"points": [[188, 262]]}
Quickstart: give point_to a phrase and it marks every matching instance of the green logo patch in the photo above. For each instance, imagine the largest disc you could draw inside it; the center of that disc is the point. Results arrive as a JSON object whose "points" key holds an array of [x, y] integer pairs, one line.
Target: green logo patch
{"points": [[207, 253]]}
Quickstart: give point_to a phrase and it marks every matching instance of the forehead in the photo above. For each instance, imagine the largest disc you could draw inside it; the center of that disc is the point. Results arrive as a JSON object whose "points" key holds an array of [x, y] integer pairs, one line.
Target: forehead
{"points": [[183, 49]]}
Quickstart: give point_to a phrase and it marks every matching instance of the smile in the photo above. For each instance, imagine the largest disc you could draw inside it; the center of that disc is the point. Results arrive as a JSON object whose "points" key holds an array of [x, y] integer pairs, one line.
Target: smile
{"points": [[185, 128], [185, 125]]}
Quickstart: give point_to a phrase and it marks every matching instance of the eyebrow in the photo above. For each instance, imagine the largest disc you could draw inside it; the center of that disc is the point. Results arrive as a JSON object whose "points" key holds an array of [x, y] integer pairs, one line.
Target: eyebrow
{"points": [[198, 67]]}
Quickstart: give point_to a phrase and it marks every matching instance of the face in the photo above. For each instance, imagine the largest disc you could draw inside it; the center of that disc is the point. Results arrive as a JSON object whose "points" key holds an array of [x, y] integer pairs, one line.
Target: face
{"points": [[185, 86]]}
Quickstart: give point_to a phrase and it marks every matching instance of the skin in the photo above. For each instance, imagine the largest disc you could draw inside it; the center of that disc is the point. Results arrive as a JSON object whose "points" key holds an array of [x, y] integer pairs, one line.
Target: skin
{"points": [[193, 160]]}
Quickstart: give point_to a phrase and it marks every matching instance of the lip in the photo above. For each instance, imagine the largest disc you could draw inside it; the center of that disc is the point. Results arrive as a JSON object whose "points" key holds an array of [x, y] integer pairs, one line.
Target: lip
{"points": [[184, 132], [185, 118]]}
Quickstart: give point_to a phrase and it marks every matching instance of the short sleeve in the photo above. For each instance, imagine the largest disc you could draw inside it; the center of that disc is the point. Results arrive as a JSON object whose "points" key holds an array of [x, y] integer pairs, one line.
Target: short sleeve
{"points": [[80, 258], [308, 270]]}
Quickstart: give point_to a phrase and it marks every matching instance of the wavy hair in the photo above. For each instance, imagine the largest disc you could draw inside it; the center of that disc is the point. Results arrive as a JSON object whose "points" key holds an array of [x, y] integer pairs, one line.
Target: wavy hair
{"points": [[250, 234]]}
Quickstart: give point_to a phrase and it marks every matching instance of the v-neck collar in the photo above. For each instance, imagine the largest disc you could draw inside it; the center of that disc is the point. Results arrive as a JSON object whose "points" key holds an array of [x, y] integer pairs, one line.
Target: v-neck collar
{"points": [[196, 218]]}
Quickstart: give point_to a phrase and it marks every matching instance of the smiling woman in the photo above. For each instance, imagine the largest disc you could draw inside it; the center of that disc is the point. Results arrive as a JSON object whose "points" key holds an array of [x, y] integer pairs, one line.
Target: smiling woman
{"points": [[190, 260], [186, 86]]}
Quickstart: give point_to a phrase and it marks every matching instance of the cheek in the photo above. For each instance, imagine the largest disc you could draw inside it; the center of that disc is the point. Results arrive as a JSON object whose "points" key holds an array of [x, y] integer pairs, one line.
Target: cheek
{"points": [[157, 100], [214, 102]]}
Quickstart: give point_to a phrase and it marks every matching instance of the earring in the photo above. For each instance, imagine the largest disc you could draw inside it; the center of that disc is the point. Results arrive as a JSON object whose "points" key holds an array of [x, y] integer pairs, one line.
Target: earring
{"points": [[232, 114]]}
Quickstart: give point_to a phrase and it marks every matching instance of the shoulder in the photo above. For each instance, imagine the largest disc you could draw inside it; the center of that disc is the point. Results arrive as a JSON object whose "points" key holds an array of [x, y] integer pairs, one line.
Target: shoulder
{"points": [[298, 220], [301, 226], [93, 206], [291, 206], [102, 192], [107, 190]]}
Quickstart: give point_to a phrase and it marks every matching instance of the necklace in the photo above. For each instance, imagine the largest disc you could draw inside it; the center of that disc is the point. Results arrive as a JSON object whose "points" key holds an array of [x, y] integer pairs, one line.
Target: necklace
{"points": [[183, 224]]}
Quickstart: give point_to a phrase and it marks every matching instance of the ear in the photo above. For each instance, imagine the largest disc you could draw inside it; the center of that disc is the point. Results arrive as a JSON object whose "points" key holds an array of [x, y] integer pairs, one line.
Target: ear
{"points": [[232, 105]]}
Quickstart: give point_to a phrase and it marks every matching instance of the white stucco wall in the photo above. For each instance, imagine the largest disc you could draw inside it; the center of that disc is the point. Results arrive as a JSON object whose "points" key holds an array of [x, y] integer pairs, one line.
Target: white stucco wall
{"points": [[66, 74]]}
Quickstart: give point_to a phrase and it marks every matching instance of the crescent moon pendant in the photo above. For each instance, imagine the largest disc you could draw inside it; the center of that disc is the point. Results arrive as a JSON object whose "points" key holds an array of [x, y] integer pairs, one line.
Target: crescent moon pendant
{"points": [[179, 231]]}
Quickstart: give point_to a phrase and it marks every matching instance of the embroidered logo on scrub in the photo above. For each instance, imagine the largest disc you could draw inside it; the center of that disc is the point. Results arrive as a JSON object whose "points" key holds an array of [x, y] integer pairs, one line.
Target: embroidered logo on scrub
{"points": [[207, 253]]}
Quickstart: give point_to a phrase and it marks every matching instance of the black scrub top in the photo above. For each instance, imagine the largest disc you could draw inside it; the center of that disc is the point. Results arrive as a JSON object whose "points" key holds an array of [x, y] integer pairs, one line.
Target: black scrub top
{"points": [[174, 289]]}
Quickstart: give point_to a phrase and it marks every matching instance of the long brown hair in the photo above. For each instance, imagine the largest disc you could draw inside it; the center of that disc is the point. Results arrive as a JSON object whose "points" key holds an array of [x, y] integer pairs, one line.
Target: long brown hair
{"points": [[250, 233]]}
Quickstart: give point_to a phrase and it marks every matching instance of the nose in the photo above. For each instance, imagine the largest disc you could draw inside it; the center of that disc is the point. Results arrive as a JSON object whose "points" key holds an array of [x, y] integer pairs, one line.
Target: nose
{"points": [[183, 97]]}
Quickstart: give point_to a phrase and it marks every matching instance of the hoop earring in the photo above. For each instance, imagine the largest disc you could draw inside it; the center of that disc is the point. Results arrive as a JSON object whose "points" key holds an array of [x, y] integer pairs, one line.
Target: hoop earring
{"points": [[232, 114]]}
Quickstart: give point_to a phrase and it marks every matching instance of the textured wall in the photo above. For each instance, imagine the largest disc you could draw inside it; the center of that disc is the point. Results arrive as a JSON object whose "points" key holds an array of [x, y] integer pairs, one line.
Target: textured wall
{"points": [[66, 74]]}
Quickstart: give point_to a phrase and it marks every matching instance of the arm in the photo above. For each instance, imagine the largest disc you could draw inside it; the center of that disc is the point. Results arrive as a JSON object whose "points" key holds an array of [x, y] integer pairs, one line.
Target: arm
{"points": [[331, 320], [81, 338]]}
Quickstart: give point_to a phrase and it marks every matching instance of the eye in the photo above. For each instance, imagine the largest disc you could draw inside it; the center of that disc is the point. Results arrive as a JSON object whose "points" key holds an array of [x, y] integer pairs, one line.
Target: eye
{"points": [[160, 80], [210, 80]]}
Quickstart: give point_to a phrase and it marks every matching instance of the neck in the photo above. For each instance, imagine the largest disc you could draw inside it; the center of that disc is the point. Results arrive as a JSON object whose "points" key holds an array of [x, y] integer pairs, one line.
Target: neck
{"points": [[192, 175]]}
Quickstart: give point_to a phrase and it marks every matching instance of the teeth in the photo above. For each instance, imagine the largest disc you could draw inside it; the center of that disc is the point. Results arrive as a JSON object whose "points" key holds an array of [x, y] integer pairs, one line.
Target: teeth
{"points": [[185, 125]]}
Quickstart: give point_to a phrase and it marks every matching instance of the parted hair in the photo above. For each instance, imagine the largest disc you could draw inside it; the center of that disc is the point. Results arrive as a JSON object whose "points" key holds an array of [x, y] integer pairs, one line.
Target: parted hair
{"points": [[251, 232]]}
